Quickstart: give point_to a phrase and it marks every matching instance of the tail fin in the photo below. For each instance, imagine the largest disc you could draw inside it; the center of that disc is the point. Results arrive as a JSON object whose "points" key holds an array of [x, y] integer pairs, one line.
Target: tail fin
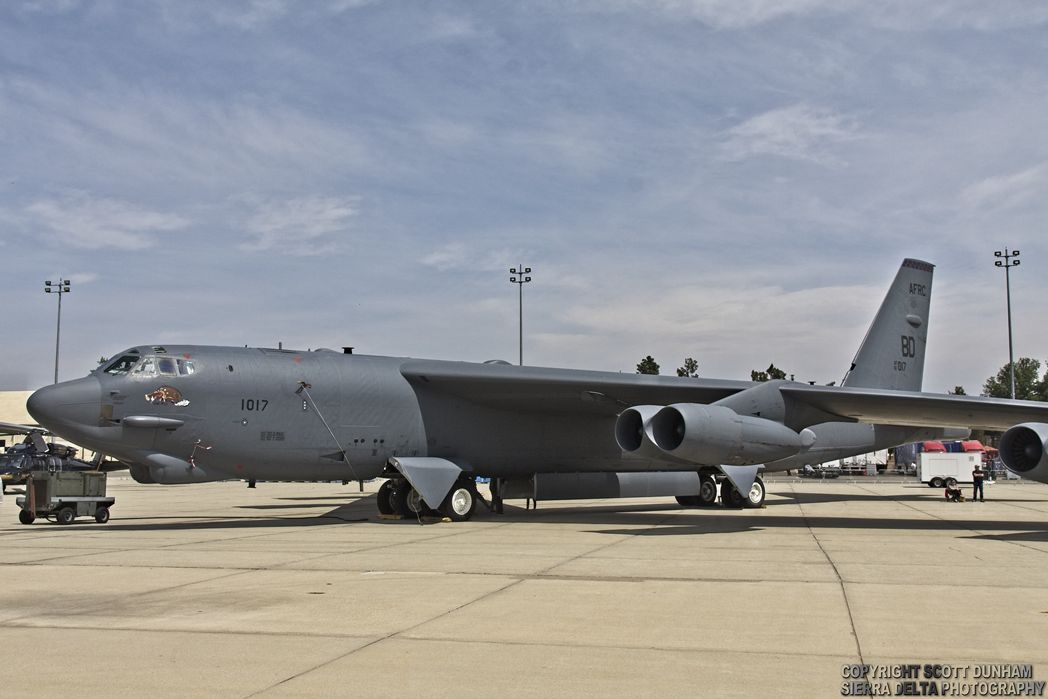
{"points": [[892, 353]]}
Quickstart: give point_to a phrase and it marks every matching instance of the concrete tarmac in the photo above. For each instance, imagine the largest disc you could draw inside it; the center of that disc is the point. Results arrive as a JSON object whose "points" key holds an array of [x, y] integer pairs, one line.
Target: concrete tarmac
{"points": [[301, 590]]}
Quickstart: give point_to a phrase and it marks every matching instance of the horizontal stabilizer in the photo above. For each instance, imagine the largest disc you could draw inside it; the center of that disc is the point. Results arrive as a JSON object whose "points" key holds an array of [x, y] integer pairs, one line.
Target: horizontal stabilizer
{"points": [[917, 409]]}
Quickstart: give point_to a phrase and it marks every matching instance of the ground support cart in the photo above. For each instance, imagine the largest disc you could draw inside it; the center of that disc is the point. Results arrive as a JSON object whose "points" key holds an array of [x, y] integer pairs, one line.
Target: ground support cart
{"points": [[64, 496]]}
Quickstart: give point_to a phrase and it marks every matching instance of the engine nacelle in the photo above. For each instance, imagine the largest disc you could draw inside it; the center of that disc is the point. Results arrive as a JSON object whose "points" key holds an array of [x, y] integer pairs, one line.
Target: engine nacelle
{"points": [[632, 426], [141, 474], [170, 470], [1024, 450], [714, 435]]}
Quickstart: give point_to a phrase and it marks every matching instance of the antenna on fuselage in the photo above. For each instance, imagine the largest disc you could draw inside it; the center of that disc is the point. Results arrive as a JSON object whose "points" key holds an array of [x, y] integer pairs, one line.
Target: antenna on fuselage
{"points": [[303, 389]]}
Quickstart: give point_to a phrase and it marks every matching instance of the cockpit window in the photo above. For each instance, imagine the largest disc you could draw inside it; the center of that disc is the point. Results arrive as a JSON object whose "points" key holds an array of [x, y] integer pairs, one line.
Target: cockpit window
{"points": [[120, 367], [163, 366], [146, 368]]}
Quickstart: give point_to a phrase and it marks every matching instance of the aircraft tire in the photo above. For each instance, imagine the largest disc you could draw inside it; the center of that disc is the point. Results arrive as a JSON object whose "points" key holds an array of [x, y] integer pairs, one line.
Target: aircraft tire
{"points": [[687, 500], [25, 517], [102, 515], [398, 499], [707, 496], [730, 496], [756, 496], [385, 499], [409, 502], [460, 503], [66, 515]]}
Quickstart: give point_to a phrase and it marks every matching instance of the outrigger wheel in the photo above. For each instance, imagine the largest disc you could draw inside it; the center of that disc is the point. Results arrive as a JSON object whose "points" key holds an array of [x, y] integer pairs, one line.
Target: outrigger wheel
{"points": [[460, 503]]}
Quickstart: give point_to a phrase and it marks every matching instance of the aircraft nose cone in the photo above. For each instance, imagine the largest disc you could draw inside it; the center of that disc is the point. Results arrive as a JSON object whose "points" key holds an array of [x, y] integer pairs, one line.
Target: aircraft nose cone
{"points": [[68, 404]]}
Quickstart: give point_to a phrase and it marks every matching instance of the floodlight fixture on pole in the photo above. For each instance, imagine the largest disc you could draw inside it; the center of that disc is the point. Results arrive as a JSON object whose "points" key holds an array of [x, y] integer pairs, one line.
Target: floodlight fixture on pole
{"points": [[520, 280], [1010, 259], [59, 287]]}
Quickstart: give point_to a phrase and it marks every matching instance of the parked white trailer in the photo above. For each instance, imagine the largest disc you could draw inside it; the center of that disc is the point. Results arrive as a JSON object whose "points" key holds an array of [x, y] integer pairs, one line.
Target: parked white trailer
{"points": [[940, 469]]}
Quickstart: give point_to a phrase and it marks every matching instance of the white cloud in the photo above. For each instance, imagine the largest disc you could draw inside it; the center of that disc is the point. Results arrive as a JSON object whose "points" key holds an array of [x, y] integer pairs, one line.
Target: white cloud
{"points": [[905, 15], [798, 132], [723, 14], [81, 221], [83, 277], [899, 15], [733, 14], [462, 256], [143, 133], [449, 257], [299, 226], [452, 28], [49, 7], [1003, 191]]}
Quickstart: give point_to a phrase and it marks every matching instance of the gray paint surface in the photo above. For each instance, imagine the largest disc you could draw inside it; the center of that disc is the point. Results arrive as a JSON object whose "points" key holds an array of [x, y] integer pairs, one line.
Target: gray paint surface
{"points": [[275, 414]]}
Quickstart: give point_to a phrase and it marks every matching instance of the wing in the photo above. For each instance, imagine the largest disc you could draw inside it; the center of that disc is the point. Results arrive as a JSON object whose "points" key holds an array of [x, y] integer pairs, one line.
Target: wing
{"points": [[917, 409], [508, 387]]}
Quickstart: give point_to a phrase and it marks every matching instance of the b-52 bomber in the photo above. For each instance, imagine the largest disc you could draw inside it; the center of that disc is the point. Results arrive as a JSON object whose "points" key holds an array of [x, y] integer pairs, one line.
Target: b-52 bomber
{"points": [[190, 414]]}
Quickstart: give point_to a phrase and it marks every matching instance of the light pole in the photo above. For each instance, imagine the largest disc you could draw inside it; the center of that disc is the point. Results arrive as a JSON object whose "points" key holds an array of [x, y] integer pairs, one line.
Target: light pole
{"points": [[520, 280], [60, 287], [1008, 262]]}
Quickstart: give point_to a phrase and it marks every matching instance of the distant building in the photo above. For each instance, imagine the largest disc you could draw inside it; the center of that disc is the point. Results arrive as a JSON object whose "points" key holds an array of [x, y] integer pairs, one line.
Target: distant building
{"points": [[12, 410]]}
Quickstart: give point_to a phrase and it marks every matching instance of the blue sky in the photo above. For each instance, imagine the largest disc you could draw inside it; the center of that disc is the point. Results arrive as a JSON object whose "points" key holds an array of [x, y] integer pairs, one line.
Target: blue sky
{"points": [[733, 180]]}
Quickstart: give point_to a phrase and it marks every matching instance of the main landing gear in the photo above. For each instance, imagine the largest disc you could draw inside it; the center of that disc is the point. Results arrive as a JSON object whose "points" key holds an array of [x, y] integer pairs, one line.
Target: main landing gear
{"points": [[729, 494], [397, 497]]}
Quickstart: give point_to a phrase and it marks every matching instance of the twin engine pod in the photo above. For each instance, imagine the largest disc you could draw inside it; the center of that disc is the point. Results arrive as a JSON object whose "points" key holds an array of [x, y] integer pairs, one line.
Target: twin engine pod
{"points": [[707, 434], [1024, 450]]}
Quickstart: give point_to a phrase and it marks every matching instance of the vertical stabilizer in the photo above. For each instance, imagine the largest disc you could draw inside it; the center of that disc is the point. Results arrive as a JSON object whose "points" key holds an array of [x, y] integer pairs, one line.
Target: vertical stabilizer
{"points": [[892, 353]]}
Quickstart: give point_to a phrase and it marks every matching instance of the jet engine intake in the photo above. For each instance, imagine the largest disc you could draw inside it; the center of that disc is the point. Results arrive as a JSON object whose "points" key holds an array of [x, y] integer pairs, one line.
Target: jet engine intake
{"points": [[141, 474], [632, 424], [1024, 450], [714, 435]]}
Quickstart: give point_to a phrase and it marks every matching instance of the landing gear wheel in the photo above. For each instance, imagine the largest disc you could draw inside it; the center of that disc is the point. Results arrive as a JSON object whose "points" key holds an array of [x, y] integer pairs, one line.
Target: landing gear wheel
{"points": [[755, 498], [413, 504], [460, 503], [730, 496], [398, 498], [385, 499], [688, 500], [707, 496], [102, 515], [66, 515], [25, 517]]}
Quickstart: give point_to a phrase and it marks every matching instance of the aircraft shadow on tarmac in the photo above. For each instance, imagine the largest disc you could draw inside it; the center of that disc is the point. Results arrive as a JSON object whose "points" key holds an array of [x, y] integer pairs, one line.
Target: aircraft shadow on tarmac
{"points": [[974, 529], [920, 495], [664, 519]]}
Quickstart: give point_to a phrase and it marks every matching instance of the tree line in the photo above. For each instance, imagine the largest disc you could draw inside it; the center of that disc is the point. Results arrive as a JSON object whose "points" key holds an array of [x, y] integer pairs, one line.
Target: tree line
{"points": [[1030, 383]]}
